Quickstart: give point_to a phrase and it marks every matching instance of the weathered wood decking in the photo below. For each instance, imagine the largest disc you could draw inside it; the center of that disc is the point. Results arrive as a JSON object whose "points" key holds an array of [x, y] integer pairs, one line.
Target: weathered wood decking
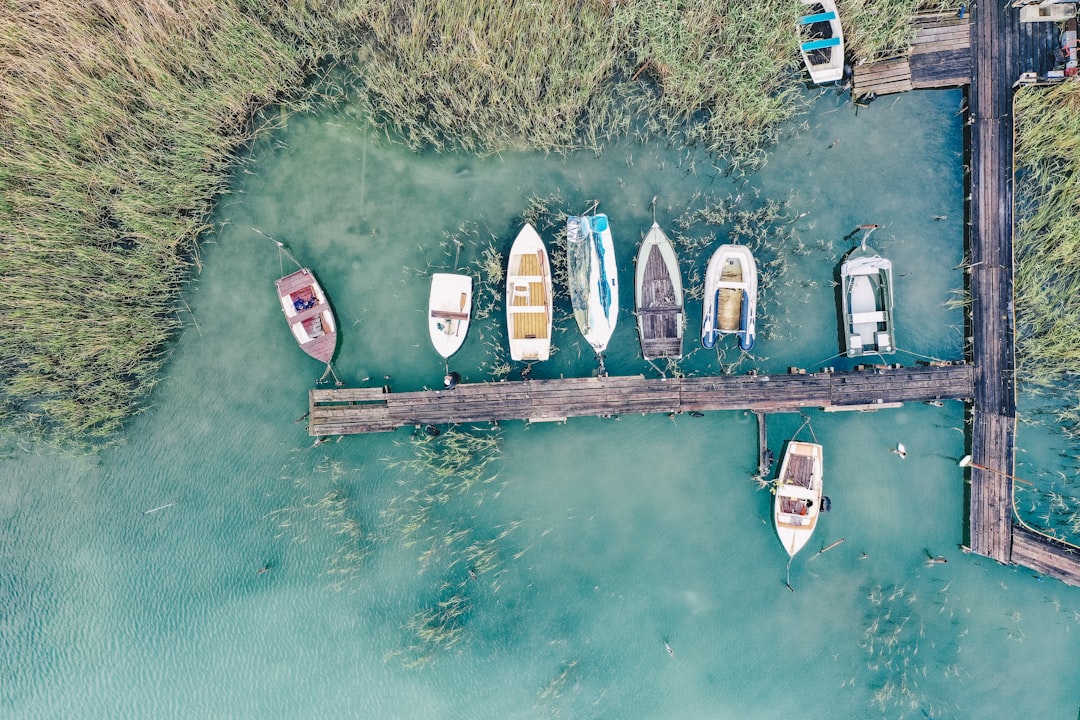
{"points": [[362, 410], [660, 319], [1002, 48], [940, 56]]}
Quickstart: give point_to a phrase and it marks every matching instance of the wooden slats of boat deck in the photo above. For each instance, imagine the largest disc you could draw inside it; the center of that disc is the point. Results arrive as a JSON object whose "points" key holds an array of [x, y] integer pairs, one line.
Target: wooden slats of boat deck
{"points": [[940, 56], [362, 410], [659, 316], [529, 325]]}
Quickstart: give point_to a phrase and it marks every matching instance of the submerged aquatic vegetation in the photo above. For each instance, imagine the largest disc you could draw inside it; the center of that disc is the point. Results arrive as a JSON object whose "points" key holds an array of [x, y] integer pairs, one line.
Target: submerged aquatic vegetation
{"points": [[433, 629]]}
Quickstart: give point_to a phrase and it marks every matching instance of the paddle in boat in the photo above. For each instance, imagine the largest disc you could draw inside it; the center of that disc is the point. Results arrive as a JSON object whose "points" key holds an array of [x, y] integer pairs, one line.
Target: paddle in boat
{"points": [[309, 314], [528, 297], [593, 277], [658, 297], [730, 302], [797, 501], [821, 41], [866, 301], [449, 309]]}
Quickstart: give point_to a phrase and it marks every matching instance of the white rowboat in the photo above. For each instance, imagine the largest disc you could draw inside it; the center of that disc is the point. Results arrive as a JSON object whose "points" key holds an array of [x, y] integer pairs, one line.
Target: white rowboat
{"points": [[821, 41], [449, 310]]}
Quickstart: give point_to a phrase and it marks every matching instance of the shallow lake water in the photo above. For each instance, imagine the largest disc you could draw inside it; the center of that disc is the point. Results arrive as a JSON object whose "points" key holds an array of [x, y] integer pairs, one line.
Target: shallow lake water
{"points": [[593, 543]]}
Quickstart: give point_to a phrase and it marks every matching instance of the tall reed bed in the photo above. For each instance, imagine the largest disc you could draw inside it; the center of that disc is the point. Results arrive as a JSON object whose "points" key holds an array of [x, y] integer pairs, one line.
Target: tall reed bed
{"points": [[120, 122], [1047, 242]]}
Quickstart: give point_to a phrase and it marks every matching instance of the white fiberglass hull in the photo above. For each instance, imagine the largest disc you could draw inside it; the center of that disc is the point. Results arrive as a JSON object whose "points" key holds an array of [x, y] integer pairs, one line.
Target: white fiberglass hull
{"points": [[528, 297], [797, 502], [449, 310]]}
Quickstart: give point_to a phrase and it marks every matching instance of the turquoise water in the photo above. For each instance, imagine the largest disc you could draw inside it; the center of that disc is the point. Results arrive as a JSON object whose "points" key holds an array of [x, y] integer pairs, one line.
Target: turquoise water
{"points": [[592, 542]]}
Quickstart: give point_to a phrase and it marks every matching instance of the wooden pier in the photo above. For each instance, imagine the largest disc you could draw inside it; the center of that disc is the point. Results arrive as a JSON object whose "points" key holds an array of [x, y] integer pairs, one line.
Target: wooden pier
{"points": [[940, 56], [1002, 48], [365, 410]]}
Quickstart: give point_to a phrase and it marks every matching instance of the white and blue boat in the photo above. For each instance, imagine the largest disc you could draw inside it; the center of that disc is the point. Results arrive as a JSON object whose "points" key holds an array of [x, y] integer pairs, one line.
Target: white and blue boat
{"points": [[821, 41], [730, 302], [593, 277]]}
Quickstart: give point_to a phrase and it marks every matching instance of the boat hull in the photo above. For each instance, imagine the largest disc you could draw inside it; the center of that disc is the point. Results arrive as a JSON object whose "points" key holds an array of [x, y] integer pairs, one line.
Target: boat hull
{"points": [[797, 500], [449, 310], [866, 304], [528, 297], [658, 297], [730, 300], [308, 313], [821, 41], [596, 299]]}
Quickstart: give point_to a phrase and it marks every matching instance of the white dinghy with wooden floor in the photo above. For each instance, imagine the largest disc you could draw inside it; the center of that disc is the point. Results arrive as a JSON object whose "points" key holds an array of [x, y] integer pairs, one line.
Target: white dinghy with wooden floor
{"points": [[449, 310], [730, 301], [528, 297], [797, 504]]}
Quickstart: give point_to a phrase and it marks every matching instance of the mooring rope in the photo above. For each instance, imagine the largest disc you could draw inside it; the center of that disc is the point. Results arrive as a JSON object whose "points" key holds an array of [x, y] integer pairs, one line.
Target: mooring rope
{"points": [[329, 371]]}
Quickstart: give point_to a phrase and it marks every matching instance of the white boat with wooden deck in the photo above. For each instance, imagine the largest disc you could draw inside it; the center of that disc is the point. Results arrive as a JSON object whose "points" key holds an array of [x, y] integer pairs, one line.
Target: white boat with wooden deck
{"points": [[797, 504], [593, 277], [658, 297], [449, 310], [309, 314], [821, 41], [528, 297], [730, 301], [866, 299]]}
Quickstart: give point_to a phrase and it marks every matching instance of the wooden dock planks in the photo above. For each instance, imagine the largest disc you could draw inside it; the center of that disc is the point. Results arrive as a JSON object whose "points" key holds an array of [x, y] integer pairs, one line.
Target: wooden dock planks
{"points": [[939, 56], [994, 49], [350, 411]]}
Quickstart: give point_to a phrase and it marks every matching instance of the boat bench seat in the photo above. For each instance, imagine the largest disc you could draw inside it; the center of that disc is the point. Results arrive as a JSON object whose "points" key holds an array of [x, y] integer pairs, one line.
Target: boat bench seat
{"points": [[867, 317], [449, 315], [820, 44], [726, 285], [820, 17], [528, 309]]}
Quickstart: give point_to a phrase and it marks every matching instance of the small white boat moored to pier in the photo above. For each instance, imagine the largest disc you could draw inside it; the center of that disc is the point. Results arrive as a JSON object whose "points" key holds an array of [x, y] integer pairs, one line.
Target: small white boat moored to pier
{"points": [[821, 41], [658, 297], [866, 302], [449, 310], [797, 504], [593, 277], [730, 301], [528, 297]]}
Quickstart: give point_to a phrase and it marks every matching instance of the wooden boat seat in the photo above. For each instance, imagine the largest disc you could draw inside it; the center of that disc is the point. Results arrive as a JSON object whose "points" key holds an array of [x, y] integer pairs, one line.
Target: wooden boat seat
{"points": [[820, 17], [449, 315], [820, 44], [867, 317]]}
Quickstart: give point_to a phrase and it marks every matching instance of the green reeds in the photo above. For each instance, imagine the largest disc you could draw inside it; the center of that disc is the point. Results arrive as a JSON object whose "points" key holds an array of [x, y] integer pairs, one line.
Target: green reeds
{"points": [[121, 120], [1047, 241]]}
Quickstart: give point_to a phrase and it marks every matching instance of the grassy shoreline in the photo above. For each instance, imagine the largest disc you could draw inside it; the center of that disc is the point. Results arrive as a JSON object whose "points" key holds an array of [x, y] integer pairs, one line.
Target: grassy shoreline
{"points": [[121, 120]]}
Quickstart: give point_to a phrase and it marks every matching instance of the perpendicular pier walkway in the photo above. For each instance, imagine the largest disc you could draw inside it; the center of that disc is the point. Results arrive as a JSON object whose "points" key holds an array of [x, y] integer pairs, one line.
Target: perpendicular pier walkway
{"points": [[349, 411]]}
